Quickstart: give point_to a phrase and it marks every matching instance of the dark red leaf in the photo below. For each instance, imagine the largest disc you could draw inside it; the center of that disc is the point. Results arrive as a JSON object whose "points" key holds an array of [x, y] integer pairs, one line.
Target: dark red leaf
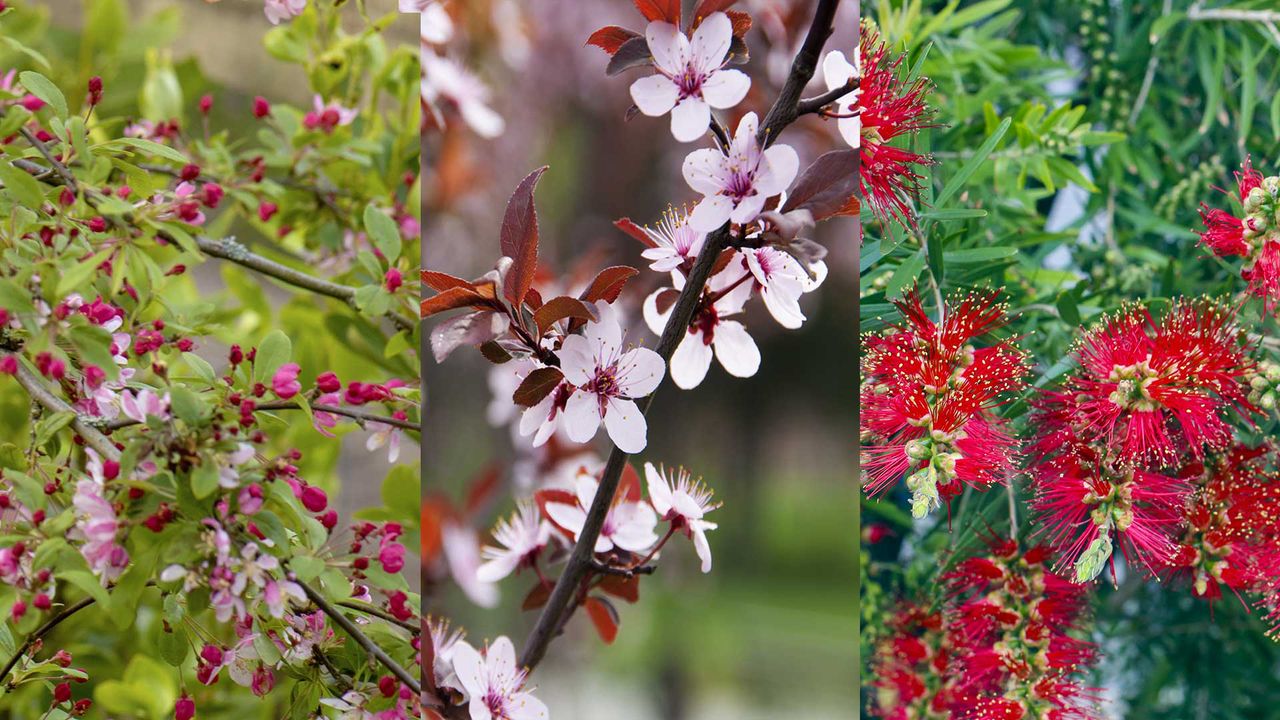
{"points": [[825, 187], [610, 38], [627, 588], [559, 308], [520, 238], [628, 484], [628, 226], [609, 283], [633, 53], [666, 299], [722, 262], [562, 497], [440, 282], [494, 352], [664, 10], [707, 7], [851, 208], [471, 329], [741, 22], [537, 596], [533, 298], [434, 512], [482, 488], [604, 617], [537, 385], [452, 299]]}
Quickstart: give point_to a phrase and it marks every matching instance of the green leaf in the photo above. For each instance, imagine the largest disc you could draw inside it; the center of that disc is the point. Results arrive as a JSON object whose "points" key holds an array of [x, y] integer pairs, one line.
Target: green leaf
{"points": [[973, 256], [21, 186], [979, 156], [173, 645], [1068, 310], [89, 583], [306, 567], [50, 424], [93, 344], [77, 275], [905, 276], [936, 264], [187, 406], [204, 478], [383, 231], [43, 88], [401, 489], [275, 350], [29, 52], [127, 593], [148, 146]]}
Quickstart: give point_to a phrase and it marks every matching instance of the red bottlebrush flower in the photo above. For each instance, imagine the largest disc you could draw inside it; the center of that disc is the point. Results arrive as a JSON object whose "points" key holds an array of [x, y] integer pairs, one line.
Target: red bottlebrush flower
{"points": [[911, 667], [1143, 384], [1010, 621], [1088, 504], [1256, 236], [889, 107], [926, 399]]}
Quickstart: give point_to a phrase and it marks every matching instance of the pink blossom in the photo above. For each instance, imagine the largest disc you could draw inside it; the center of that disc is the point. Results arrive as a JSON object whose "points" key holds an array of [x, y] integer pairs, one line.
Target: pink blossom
{"points": [[461, 547], [388, 435], [446, 83], [494, 683], [683, 502], [736, 185], [521, 537], [97, 525], [391, 556], [144, 404], [628, 525], [782, 281], [691, 77], [327, 116], [676, 242], [278, 11], [606, 380], [711, 331], [285, 381], [837, 72]]}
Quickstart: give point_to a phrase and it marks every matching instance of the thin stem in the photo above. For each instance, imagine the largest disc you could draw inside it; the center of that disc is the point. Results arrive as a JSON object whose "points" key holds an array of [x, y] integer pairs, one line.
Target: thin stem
{"points": [[1012, 492], [361, 639], [67, 178], [360, 415], [785, 110], [41, 393], [378, 612], [628, 573], [816, 104], [1198, 13], [40, 632]]}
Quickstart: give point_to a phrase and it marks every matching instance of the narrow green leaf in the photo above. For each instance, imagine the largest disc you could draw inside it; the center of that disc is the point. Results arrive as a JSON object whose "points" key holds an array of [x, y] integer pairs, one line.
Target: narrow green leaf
{"points": [[980, 156], [43, 88]]}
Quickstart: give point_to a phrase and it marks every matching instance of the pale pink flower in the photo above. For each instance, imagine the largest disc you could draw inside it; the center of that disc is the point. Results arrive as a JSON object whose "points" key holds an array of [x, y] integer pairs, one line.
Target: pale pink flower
{"points": [[386, 435], [521, 537], [435, 25], [322, 420], [443, 642], [327, 116], [683, 501], [461, 547], [782, 281], [144, 404], [712, 331], [837, 71], [542, 420], [278, 11], [676, 242], [606, 379], [448, 84], [629, 525], [494, 683], [97, 525], [284, 383], [229, 465], [691, 77], [735, 186]]}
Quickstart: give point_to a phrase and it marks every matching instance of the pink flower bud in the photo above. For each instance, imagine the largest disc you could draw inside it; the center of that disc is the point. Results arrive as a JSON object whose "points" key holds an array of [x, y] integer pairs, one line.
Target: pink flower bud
{"points": [[392, 557], [31, 103], [393, 280], [285, 381], [19, 609], [61, 693], [212, 194], [314, 499], [184, 709], [263, 681], [261, 108], [266, 210], [42, 601], [9, 365], [388, 685], [328, 382], [206, 104]]}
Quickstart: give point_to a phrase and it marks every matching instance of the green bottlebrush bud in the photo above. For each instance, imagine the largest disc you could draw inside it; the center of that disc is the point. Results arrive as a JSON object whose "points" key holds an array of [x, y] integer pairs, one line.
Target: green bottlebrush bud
{"points": [[1094, 558]]}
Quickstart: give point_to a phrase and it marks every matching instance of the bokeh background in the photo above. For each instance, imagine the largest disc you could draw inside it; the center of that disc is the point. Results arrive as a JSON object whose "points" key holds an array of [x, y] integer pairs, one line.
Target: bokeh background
{"points": [[770, 631]]}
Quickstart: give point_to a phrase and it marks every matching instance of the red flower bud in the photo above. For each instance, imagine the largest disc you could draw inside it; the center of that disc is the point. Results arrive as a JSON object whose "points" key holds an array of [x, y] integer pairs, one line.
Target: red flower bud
{"points": [[261, 108]]}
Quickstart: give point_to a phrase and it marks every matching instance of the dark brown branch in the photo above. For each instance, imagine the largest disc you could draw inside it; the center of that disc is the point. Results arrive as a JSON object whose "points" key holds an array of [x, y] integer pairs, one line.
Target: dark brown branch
{"points": [[361, 639], [415, 628], [784, 111], [816, 104], [41, 631], [360, 415], [67, 178], [628, 573], [786, 108]]}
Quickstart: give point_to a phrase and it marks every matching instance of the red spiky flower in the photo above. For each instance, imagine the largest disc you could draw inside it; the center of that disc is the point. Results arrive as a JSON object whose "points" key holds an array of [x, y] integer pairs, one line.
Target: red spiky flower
{"points": [[912, 667], [1145, 390], [926, 401], [1255, 237], [889, 107], [1012, 620], [1232, 527]]}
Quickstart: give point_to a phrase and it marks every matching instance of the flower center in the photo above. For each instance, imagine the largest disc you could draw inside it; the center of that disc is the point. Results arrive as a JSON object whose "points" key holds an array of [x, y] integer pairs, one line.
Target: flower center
{"points": [[690, 82], [1133, 383], [741, 181]]}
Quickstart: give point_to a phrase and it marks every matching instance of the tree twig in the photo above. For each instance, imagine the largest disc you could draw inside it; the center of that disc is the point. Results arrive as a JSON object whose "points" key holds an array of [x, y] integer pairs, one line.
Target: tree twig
{"points": [[361, 639], [628, 573], [786, 108], [40, 632], [335, 409], [378, 612], [815, 104], [41, 393]]}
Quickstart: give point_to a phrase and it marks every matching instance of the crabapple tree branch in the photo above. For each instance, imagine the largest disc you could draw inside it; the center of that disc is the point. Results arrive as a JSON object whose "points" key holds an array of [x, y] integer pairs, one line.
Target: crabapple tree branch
{"points": [[360, 415]]}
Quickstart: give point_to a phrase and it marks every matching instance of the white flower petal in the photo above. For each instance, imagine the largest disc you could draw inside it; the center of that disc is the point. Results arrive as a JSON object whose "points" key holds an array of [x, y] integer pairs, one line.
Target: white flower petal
{"points": [[748, 209], [690, 362], [711, 213], [783, 166], [486, 122], [702, 546], [478, 709], [498, 568], [784, 308], [523, 706], [501, 659], [711, 41], [569, 517], [726, 88], [850, 129], [836, 70], [626, 426], [655, 95], [659, 491], [604, 336], [669, 46], [582, 416], [470, 669], [652, 317], [690, 119], [704, 170], [644, 372], [577, 360], [747, 128], [533, 418], [736, 351]]}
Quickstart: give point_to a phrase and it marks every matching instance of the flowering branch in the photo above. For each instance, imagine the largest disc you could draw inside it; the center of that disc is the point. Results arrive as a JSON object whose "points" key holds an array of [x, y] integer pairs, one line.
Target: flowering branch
{"points": [[785, 110], [816, 104], [361, 639], [39, 392], [43, 630], [359, 415]]}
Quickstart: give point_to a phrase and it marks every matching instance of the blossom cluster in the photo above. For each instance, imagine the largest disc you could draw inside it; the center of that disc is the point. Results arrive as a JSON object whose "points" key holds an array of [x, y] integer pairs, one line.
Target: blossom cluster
{"points": [[1255, 238]]}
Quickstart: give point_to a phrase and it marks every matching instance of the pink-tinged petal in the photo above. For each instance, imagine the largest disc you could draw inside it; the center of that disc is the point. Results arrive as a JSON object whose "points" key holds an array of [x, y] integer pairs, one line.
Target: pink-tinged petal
{"points": [[745, 137], [686, 506], [809, 284], [470, 669], [523, 706], [655, 95], [585, 487], [577, 360], [702, 546], [655, 319], [634, 523], [736, 351], [643, 372], [705, 172], [783, 164], [533, 418], [501, 659], [711, 213], [726, 88], [498, 568], [582, 416], [711, 41], [626, 426], [784, 308], [486, 122], [748, 209], [836, 70], [850, 129], [690, 119], [669, 46], [659, 491], [478, 709], [545, 432], [569, 517], [690, 362], [604, 336]]}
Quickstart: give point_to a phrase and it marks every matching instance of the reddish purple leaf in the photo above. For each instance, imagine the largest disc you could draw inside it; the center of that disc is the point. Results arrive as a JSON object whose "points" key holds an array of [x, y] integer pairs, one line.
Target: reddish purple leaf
{"points": [[826, 186], [559, 308], [520, 238], [536, 386], [610, 38]]}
